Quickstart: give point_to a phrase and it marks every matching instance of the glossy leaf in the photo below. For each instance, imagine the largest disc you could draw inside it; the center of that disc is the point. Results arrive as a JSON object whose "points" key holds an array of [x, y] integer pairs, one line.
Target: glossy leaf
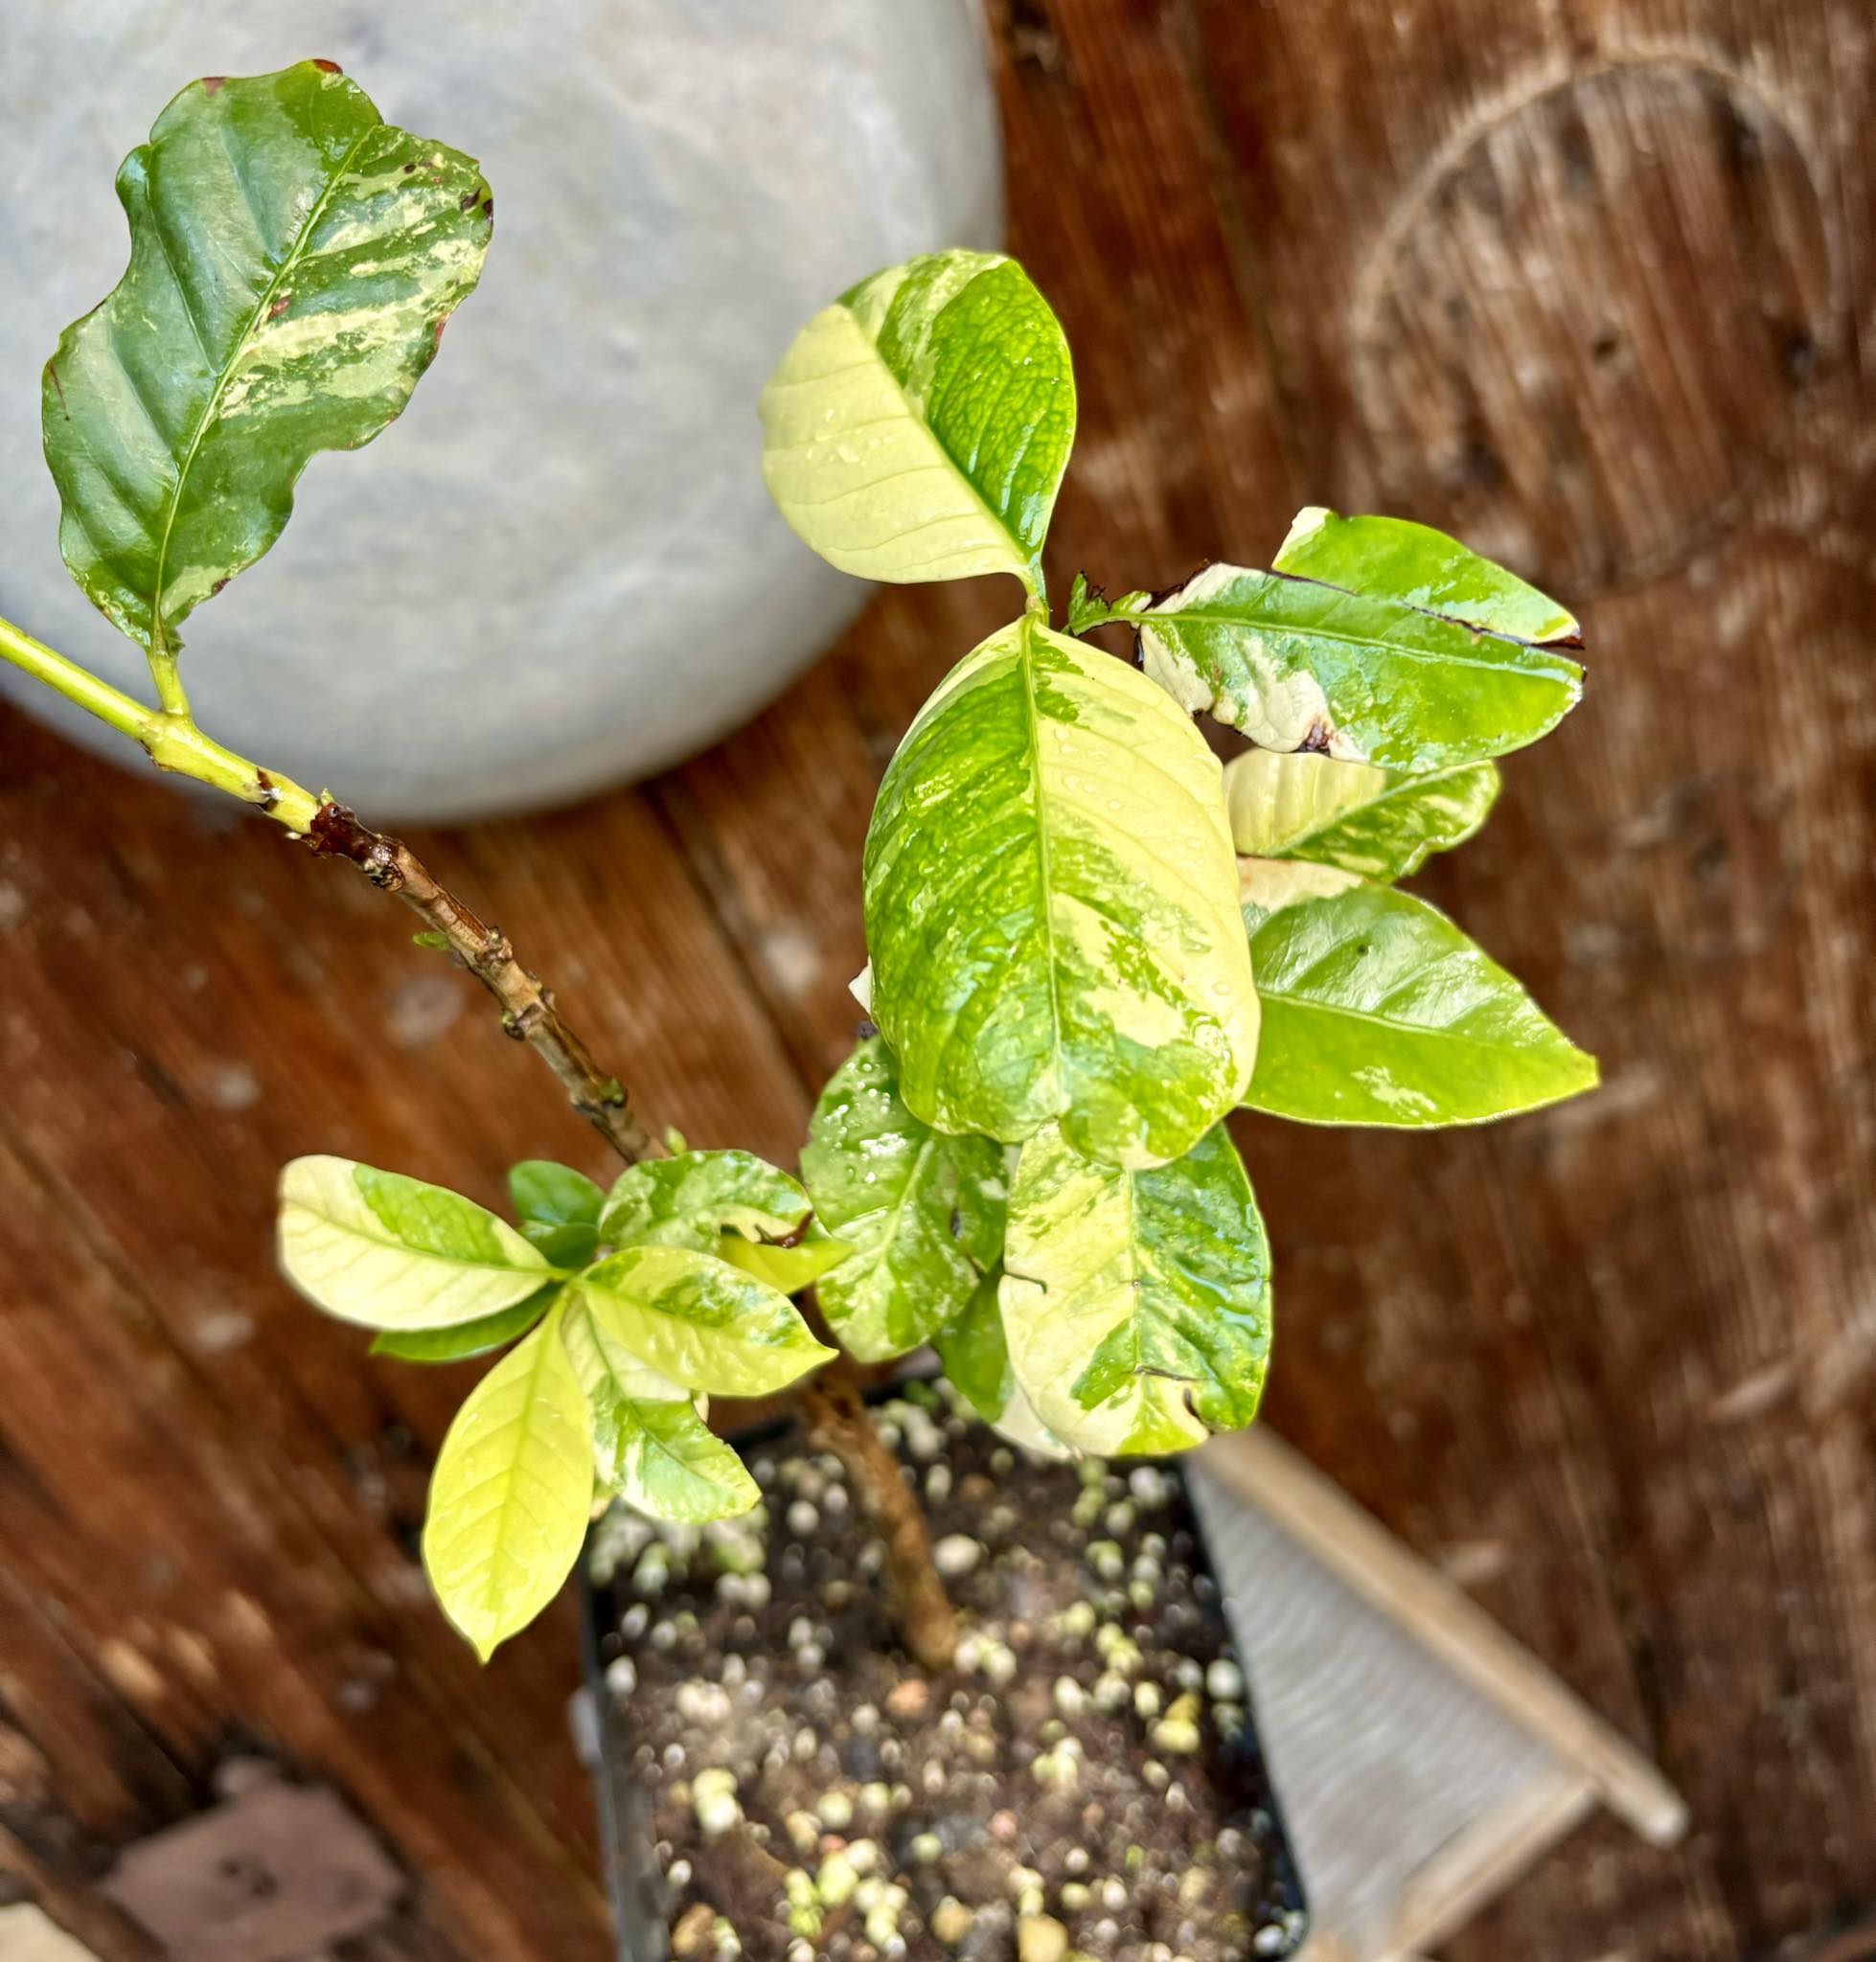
{"points": [[1426, 569], [788, 1266], [1353, 669], [391, 1252], [1050, 910], [292, 260], [692, 1199], [699, 1322], [468, 1338], [923, 1211], [512, 1494], [651, 1447], [1383, 824], [559, 1209], [976, 1357], [1136, 1304], [1379, 1011], [918, 427]]}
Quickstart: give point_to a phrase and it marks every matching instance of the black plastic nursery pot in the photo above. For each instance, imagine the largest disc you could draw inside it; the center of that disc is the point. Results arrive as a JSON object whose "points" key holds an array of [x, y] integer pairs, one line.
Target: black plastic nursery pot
{"points": [[779, 1781]]}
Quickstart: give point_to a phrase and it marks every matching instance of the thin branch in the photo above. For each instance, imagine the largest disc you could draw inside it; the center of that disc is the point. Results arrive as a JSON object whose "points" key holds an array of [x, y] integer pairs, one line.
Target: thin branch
{"points": [[528, 1010]]}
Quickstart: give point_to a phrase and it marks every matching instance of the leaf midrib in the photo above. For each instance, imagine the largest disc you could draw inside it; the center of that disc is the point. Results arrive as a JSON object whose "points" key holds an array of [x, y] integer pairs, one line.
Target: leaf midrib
{"points": [[159, 632], [1154, 619], [1025, 631]]}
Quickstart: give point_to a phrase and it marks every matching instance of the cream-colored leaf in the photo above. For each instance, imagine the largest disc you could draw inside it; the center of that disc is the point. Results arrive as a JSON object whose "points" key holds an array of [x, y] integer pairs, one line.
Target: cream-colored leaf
{"points": [[390, 1252], [512, 1490]]}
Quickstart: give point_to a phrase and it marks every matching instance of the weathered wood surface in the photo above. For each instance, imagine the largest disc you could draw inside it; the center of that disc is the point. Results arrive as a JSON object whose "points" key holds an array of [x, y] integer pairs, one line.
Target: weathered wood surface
{"points": [[1588, 279]]}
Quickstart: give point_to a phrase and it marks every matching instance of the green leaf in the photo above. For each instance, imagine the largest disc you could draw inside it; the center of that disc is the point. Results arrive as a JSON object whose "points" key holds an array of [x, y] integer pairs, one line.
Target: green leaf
{"points": [[1136, 1304], [1050, 909], [1426, 569], [694, 1197], [1379, 1011], [975, 1351], [559, 1209], [1383, 824], [652, 1448], [923, 1211], [918, 427], [468, 1338], [292, 260], [976, 1356], [512, 1494], [788, 1266], [1354, 668], [391, 1252], [701, 1322]]}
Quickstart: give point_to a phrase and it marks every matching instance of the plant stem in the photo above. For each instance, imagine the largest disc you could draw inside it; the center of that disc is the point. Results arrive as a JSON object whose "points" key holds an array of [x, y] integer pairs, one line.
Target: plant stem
{"points": [[837, 1420], [168, 735], [528, 1010]]}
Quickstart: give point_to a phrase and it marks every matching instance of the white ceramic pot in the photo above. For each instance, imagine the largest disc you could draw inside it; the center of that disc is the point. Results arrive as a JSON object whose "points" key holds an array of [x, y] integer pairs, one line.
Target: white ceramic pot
{"points": [[560, 569]]}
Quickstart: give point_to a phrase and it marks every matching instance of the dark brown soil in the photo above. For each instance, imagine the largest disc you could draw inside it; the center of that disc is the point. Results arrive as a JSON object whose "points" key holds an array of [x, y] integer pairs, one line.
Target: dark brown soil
{"points": [[1082, 1782]]}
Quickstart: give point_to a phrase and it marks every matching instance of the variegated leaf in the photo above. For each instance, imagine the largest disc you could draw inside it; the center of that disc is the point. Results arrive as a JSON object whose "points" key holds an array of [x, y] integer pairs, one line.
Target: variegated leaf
{"points": [[1379, 1011], [698, 1322], [1355, 670], [292, 260], [1051, 910], [391, 1252], [1424, 568], [651, 1447], [923, 1211], [918, 427], [512, 1490], [1136, 1305], [693, 1198], [1381, 824]]}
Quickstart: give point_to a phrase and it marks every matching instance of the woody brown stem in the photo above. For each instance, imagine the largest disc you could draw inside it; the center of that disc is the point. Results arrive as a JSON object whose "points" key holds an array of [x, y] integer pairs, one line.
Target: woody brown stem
{"points": [[528, 1010], [835, 1415]]}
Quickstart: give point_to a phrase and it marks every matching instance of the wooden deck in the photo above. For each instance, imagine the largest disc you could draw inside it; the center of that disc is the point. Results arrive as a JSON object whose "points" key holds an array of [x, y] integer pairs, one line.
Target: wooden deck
{"points": [[1589, 281]]}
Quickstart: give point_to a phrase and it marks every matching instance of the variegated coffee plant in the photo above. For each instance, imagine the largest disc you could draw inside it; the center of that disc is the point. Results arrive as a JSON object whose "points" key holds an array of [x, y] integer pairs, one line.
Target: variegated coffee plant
{"points": [[1090, 942]]}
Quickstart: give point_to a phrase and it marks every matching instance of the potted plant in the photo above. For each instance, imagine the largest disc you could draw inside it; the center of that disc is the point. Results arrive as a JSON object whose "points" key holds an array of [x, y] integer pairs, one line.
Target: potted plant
{"points": [[839, 1729]]}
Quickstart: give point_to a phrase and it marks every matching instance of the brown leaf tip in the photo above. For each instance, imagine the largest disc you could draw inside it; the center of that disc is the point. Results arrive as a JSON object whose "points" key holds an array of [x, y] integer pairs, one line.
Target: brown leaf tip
{"points": [[211, 82], [327, 67]]}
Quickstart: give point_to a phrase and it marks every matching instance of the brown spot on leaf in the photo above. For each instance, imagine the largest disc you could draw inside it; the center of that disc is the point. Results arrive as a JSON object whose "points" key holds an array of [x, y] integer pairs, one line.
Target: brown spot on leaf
{"points": [[327, 67], [1315, 738], [280, 307], [436, 334], [468, 201], [211, 82]]}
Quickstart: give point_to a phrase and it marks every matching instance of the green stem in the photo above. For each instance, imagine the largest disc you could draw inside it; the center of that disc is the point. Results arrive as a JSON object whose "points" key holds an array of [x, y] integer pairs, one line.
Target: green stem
{"points": [[169, 691], [168, 735]]}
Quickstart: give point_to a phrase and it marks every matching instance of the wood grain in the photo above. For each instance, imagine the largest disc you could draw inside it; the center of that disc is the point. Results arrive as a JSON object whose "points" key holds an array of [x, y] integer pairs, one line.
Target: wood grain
{"points": [[1588, 279]]}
